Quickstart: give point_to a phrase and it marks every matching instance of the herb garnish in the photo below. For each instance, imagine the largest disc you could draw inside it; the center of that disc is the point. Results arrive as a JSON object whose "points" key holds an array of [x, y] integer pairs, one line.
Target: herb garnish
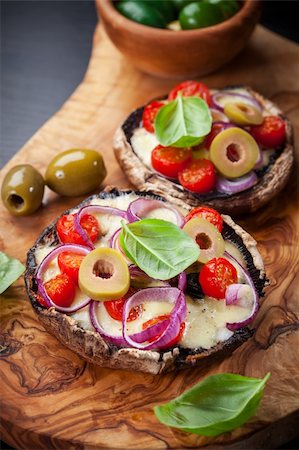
{"points": [[220, 403], [160, 248], [10, 270], [183, 122]]}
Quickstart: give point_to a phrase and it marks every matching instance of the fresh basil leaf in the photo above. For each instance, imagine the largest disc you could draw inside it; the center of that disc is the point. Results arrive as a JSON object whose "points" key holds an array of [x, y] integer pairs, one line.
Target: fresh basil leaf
{"points": [[220, 403], [160, 248], [183, 122], [10, 270]]}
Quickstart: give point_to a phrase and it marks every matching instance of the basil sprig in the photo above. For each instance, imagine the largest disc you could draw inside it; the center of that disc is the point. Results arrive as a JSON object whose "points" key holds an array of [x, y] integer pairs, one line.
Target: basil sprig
{"points": [[183, 122], [10, 270], [220, 403], [160, 248]]}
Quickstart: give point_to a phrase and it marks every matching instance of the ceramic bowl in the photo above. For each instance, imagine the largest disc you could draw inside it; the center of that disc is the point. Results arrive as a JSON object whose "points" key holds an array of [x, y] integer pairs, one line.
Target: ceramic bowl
{"points": [[179, 54]]}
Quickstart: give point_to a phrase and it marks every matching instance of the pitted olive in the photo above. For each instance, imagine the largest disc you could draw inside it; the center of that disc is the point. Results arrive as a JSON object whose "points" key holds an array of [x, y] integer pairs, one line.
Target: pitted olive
{"points": [[75, 172], [22, 190]]}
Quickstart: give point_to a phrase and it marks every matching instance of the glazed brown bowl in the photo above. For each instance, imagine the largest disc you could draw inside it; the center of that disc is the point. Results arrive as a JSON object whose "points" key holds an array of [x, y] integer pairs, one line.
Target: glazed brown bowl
{"points": [[179, 54]]}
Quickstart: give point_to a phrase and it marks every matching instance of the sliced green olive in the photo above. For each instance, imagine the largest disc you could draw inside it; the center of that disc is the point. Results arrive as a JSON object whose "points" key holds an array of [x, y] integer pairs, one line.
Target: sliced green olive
{"points": [[234, 152], [104, 274], [75, 172], [243, 114], [207, 237], [22, 190]]}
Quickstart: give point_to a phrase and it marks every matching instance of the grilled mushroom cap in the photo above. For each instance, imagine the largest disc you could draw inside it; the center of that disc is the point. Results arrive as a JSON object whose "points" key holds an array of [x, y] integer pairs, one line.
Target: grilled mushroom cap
{"points": [[92, 347], [270, 184]]}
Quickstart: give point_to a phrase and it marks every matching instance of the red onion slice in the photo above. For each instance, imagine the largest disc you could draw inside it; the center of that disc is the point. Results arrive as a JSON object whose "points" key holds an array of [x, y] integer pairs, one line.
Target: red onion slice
{"points": [[170, 327], [221, 98], [89, 209], [148, 333], [231, 293], [218, 116], [235, 297], [182, 281], [237, 185], [117, 340], [140, 280], [115, 244], [43, 267], [138, 209]]}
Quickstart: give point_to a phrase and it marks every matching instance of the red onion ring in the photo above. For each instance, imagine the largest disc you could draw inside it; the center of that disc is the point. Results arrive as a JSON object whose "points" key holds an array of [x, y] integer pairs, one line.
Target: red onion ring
{"points": [[231, 293], [94, 209], [43, 267], [149, 333], [218, 116], [168, 328], [138, 209], [222, 97], [139, 279], [238, 185], [117, 340], [182, 281], [255, 301]]}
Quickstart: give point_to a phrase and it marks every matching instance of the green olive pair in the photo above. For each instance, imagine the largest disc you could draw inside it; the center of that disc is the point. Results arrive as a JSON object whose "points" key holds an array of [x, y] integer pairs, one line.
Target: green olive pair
{"points": [[178, 14], [71, 173]]}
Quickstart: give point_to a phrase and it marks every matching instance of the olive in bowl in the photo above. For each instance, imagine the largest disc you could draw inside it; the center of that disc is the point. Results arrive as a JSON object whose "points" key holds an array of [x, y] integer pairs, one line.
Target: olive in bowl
{"points": [[22, 190], [185, 53]]}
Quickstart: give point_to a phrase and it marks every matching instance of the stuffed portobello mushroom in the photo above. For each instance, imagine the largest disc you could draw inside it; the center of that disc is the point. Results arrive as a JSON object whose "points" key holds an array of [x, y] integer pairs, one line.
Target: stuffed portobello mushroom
{"points": [[231, 149], [129, 281]]}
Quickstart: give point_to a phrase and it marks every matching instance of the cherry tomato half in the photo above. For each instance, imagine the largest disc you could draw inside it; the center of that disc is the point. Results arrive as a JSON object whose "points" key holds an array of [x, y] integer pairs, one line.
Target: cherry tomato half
{"points": [[199, 176], [66, 229], [69, 263], [170, 160], [216, 275], [210, 214], [158, 319], [115, 308], [149, 114], [271, 133], [61, 290], [190, 89]]}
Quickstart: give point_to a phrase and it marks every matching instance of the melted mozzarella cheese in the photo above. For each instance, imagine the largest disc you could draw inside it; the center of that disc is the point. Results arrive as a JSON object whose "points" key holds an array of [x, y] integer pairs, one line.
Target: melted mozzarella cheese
{"points": [[235, 252], [206, 320], [143, 143], [162, 213], [83, 318], [41, 252], [120, 202]]}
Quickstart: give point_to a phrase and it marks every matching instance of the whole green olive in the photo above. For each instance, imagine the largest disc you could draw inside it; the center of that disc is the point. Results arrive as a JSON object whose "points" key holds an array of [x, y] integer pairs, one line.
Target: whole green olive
{"points": [[200, 15], [22, 190], [75, 172]]}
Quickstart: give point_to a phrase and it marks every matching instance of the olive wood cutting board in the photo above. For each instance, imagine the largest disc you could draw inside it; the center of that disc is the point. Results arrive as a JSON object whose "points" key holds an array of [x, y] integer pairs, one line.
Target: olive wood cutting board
{"points": [[53, 399]]}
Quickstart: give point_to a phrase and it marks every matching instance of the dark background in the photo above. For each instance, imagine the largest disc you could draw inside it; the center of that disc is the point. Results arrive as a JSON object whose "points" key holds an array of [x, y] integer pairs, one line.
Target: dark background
{"points": [[45, 48]]}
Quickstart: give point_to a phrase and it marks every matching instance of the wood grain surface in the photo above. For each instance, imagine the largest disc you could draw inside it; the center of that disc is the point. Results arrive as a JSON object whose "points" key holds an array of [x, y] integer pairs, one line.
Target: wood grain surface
{"points": [[53, 399]]}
